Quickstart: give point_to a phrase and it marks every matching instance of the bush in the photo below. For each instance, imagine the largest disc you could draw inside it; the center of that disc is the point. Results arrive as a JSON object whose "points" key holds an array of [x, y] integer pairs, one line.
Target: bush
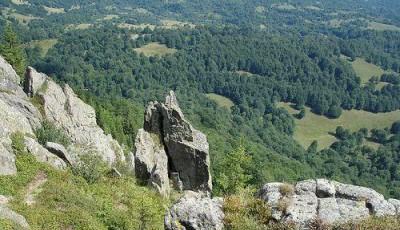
{"points": [[395, 128], [18, 143], [91, 167], [48, 132], [286, 189], [243, 211]]}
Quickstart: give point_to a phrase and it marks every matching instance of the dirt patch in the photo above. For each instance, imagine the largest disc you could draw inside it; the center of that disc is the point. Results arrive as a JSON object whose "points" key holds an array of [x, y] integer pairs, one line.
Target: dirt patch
{"points": [[34, 188]]}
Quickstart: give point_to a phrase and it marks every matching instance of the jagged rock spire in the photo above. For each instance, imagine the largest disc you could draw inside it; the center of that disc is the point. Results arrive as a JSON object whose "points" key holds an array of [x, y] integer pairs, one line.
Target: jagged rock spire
{"points": [[169, 148]]}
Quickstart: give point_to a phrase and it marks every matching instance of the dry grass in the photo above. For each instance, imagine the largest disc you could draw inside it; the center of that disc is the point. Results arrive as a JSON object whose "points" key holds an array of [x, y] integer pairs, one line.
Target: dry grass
{"points": [[110, 17], [382, 27], [136, 26], [20, 2], [315, 127], [284, 6], [221, 101], [82, 26], [244, 73], [366, 70], [173, 24], [51, 10], [155, 49], [44, 45]]}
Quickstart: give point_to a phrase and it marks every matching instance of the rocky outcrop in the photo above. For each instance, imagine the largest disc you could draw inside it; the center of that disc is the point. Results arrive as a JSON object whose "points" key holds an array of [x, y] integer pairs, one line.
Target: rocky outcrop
{"points": [[65, 110], [170, 148], [58, 105], [328, 201], [195, 211]]}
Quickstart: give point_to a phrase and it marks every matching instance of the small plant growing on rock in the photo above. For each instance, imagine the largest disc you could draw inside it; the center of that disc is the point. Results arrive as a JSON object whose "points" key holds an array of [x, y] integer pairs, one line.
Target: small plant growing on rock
{"points": [[48, 132], [286, 189], [17, 143]]}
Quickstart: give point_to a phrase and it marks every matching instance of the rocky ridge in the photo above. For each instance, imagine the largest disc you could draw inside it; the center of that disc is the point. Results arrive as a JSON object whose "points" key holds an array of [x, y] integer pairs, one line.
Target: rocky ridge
{"points": [[328, 201], [21, 113]]}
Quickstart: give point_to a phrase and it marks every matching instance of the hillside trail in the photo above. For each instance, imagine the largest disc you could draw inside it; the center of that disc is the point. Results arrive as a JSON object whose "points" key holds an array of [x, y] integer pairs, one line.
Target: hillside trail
{"points": [[34, 188]]}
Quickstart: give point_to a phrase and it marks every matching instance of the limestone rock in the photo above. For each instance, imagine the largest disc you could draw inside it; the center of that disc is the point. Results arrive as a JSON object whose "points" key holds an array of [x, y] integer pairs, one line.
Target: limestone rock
{"points": [[195, 211], [396, 204], [7, 160], [329, 201], [61, 152], [151, 162], [34, 81], [9, 80], [271, 194], [302, 209], [42, 154], [184, 148], [64, 109]]}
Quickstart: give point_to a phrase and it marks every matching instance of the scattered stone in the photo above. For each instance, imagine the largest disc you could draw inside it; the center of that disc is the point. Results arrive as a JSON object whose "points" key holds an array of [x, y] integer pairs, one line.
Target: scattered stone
{"points": [[195, 211]]}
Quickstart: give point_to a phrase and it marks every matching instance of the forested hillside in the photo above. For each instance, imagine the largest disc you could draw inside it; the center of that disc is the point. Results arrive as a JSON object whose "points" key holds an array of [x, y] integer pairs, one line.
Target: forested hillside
{"points": [[253, 53]]}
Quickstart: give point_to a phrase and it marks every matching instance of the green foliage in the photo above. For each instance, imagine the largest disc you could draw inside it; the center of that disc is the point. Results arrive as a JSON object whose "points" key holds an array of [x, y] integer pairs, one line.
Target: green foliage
{"points": [[17, 143], [11, 50], [91, 167], [48, 132], [233, 174], [395, 128], [244, 211], [67, 201], [334, 112]]}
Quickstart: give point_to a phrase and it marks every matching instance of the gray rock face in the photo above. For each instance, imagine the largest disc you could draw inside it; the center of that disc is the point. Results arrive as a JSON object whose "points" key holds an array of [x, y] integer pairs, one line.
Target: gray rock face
{"points": [[43, 155], [34, 81], [64, 109], [184, 149], [61, 107], [151, 161], [61, 152], [7, 161], [329, 201], [9, 80], [195, 211]]}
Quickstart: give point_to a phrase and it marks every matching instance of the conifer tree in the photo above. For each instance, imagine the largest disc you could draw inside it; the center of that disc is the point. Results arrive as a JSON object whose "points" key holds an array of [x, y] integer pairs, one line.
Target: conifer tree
{"points": [[11, 50]]}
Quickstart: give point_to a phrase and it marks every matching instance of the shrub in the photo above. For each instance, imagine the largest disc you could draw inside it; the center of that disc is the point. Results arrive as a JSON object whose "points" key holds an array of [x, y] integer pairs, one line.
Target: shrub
{"points": [[48, 132], [17, 143], [91, 167], [395, 128], [286, 189], [243, 211]]}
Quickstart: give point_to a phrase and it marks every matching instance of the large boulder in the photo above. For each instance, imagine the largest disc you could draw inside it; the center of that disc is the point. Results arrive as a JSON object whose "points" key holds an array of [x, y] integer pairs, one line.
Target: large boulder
{"points": [[328, 201], [166, 133], [43, 155], [195, 211]]}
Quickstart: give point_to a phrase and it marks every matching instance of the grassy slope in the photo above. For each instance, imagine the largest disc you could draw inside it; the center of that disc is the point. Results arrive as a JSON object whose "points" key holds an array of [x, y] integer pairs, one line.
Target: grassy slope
{"points": [[315, 127], [67, 201], [155, 49], [45, 45], [221, 101]]}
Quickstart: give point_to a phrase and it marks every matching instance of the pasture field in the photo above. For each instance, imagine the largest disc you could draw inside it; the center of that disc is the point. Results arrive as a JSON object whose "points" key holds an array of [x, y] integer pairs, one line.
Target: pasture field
{"points": [[155, 49], [315, 127], [51, 10], [221, 101], [45, 45], [366, 70], [382, 27]]}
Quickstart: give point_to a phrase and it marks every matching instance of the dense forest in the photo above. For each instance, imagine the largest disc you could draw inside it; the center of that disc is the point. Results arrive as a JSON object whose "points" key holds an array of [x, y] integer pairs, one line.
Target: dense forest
{"points": [[294, 57]]}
